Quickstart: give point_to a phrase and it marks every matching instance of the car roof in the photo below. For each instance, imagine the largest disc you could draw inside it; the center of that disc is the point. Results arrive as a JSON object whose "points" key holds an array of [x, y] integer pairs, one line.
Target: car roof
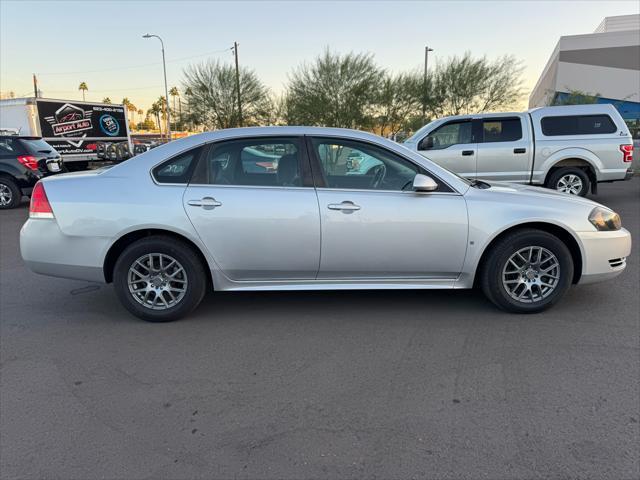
{"points": [[282, 130]]}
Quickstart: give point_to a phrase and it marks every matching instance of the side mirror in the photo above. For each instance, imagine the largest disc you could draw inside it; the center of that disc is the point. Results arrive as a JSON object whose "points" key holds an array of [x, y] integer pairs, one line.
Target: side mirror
{"points": [[426, 143], [424, 183]]}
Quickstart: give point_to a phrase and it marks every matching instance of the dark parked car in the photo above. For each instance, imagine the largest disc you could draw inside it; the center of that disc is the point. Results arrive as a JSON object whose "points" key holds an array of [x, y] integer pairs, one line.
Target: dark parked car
{"points": [[24, 161]]}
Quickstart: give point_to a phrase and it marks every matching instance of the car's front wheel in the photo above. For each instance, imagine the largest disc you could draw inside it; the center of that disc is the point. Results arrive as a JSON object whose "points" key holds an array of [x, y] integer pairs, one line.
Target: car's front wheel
{"points": [[159, 279], [527, 271]]}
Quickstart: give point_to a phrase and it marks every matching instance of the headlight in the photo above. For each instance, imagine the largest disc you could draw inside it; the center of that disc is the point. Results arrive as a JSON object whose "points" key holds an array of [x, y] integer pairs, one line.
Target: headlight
{"points": [[604, 219]]}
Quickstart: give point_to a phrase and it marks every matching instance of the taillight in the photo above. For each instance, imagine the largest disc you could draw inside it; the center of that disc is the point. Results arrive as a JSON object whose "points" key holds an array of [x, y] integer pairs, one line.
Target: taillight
{"points": [[40, 207], [28, 161], [627, 153]]}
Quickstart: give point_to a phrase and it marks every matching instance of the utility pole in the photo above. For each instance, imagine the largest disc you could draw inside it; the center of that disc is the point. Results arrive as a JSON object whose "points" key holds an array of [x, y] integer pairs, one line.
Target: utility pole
{"points": [[425, 83], [166, 87], [235, 52], [35, 86]]}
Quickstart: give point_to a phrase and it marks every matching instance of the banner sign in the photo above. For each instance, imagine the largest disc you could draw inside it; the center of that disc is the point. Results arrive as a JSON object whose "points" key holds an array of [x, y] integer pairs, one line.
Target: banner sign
{"points": [[74, 128]]}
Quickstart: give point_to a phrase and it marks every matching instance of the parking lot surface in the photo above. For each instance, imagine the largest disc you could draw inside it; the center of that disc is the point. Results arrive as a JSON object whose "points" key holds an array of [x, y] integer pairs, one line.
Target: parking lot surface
{"points": [[398, 384]]}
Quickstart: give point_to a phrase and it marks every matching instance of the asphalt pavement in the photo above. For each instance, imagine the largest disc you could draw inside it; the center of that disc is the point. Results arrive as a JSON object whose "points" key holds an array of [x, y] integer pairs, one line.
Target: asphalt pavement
{"points": [[336, 385]]}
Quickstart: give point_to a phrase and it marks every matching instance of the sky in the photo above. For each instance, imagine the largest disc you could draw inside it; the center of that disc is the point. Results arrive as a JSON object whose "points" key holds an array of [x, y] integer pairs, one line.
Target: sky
{"points": [[100, 42]]}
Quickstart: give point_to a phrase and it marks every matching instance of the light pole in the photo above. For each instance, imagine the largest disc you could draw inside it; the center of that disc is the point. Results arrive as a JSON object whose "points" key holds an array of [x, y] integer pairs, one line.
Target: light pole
{"points": [[425, 86], [166, 88]]}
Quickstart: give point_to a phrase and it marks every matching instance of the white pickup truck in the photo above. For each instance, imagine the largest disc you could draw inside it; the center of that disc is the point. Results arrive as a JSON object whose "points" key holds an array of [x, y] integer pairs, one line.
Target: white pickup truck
{"points": [[568, 148]]}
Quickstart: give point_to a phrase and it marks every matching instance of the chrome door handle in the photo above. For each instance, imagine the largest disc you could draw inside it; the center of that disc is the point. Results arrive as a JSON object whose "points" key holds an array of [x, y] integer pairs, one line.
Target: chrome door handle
{"points": [[208, 203], [346, 206]]}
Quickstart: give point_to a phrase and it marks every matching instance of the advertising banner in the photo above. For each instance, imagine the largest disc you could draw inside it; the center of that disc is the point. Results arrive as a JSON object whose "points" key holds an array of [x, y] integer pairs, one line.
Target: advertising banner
{"points": [[74, 128]]}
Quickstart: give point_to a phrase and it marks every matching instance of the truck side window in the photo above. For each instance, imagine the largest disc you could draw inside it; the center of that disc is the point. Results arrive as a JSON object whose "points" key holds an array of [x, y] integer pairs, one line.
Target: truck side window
{"points": [[577, 125], [501, 129], [452, 133]]}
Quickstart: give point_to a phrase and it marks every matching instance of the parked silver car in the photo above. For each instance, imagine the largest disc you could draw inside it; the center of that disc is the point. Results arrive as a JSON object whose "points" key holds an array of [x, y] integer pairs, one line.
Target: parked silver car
{"points": [[191, 215]]}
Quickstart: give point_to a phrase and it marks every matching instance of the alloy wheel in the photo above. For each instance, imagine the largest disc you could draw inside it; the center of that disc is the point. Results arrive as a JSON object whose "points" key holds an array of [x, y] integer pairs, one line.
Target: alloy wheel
{"points": [[6, 197], [569, 183], [531, 274], [157, 281]]}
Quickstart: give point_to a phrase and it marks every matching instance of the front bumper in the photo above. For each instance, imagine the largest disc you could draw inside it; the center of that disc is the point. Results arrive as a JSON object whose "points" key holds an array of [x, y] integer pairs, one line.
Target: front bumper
{"points": [[604, 254]]}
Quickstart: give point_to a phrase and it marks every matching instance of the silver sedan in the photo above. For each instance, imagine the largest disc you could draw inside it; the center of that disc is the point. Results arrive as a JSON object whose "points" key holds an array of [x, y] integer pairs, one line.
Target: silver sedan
{"points": [[283, 208]]}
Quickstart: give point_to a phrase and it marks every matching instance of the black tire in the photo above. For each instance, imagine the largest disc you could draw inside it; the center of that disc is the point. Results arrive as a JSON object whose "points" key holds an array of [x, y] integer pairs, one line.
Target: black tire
{"points": [[491, 275], [562, 174], [187, 258], [11, 194]]}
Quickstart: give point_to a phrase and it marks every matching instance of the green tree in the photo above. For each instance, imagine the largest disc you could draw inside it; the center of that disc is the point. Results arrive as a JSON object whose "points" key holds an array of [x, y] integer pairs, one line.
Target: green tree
{"points": [[106, 100], [465, 85], [83, 88], [397, 102], [335, 90], [147, 124], [131, 108], [174, 93], [155, 111], [210, 92]]}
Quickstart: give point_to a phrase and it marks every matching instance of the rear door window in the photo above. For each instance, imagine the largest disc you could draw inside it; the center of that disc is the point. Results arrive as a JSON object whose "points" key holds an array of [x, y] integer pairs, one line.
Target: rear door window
{"points": [[501, 129], [265, 162], [577, 125], [8, 147]]}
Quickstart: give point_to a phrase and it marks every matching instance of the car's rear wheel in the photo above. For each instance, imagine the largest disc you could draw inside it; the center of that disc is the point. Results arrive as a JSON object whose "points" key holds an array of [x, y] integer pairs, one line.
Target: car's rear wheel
{"points": [[10, 195], [159, 279], [571, 180], [527, 271]]}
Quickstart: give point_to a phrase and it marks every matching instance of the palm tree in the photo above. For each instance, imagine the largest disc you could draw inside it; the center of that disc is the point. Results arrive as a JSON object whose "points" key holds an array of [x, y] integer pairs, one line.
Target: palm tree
{"points": [[174, 93], [83, 87], [130, 107], [106, 100], [155, 110], [140, 113], [162, 105]]}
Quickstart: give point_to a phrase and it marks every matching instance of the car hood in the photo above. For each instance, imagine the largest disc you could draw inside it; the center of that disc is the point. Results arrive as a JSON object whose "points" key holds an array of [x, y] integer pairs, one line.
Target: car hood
{"points": [[539, 192]]}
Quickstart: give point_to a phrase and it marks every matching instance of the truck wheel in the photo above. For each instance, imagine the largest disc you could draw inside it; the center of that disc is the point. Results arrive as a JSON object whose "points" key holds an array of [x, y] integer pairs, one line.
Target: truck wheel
{"points": [[10, 195], [527, 271], [571, 180], [159, 279]]}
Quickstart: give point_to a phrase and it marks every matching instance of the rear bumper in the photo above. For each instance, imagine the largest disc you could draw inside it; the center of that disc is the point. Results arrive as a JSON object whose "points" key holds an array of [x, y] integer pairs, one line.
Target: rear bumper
{"points": [[48, 251], [629, 174], [604, 254]]}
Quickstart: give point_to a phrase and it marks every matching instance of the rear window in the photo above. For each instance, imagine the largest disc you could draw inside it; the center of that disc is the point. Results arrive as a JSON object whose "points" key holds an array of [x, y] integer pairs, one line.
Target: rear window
{"points": [[578, 125], [177, 169], [36, 145]]}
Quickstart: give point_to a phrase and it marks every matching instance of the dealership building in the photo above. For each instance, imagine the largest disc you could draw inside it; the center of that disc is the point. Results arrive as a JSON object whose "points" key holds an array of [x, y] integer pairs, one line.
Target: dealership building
{"points": [[605, 63]]}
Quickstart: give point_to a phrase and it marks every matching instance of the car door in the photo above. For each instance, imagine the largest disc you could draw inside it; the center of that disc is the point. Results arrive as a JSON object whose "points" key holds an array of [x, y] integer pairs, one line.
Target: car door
{"points": [[253, 204], [374, 226], [453, 146], [503, 149]]}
